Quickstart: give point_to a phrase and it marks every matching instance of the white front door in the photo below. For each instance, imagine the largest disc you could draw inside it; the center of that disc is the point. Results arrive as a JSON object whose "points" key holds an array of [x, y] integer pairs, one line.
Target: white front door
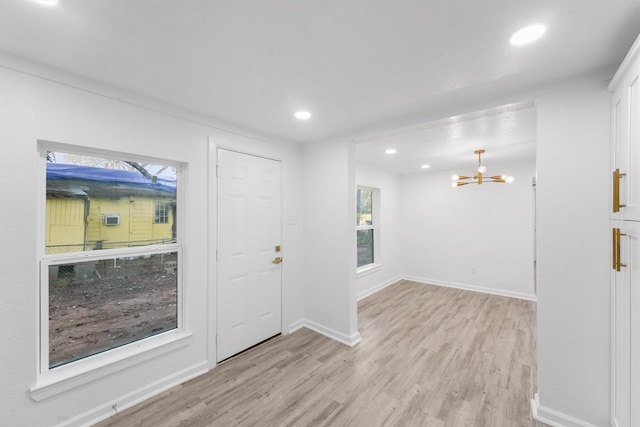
{"points": [[249, 238]]}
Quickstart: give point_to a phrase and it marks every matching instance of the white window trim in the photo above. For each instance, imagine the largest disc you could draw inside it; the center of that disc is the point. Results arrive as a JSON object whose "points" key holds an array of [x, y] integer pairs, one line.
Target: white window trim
{"points": [[365, 270], [53, 381], [375, 226], [84, 371]]}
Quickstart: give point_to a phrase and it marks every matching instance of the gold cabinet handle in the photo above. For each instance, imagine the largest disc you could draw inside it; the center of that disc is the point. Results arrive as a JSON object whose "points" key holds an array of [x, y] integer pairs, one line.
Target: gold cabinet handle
{"points": [[614, 248], [617, 259], [616, 190], [620, 264], [277, 260]]}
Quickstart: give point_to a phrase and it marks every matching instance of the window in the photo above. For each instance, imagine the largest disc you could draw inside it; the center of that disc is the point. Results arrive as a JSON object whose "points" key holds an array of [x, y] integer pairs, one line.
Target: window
{"points": [[106, 303], [366, 226], [162, 213], [109, 275]]}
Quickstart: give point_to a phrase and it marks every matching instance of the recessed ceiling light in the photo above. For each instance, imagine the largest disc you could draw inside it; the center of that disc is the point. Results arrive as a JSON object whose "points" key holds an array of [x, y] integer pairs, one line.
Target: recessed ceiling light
{"points": [[527, 34], [425, 166], [47, 2], [391, 151], [302, 115]]}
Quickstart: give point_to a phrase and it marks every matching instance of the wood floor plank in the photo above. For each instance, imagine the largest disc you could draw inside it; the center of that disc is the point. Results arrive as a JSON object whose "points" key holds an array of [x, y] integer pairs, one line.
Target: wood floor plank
{"points": [[429, 356]]}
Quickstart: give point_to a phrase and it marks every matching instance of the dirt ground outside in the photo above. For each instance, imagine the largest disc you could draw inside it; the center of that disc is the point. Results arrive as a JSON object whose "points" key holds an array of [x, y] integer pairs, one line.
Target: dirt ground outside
{"points": [[97, 306]]}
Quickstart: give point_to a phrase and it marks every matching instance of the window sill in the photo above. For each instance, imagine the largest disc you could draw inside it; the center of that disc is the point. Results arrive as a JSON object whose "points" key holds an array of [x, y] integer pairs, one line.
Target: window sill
{"points": [[368, 269], [75, 374]]}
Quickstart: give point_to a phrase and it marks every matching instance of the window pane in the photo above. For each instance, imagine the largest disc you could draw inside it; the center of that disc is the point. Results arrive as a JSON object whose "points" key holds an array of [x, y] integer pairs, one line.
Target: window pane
{"points": [[162, 213], [99, 305], [363, 216], [365, 247], [95, 203]]}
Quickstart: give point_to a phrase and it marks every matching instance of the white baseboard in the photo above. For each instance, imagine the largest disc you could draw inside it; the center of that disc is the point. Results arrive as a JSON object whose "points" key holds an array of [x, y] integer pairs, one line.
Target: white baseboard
{"points": [[501, 292], [378, 287], [133, 398], [349, 340], [554, 418], [295, 326]]}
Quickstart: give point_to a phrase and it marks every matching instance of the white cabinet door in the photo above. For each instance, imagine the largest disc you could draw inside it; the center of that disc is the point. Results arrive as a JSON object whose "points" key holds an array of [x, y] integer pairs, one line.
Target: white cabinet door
{"points": [[625, 325], [619, 150], [626, 145]]}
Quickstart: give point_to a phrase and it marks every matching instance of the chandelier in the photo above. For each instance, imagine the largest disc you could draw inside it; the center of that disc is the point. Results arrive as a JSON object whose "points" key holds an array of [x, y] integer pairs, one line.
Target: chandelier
{"points": [[459, 180]]}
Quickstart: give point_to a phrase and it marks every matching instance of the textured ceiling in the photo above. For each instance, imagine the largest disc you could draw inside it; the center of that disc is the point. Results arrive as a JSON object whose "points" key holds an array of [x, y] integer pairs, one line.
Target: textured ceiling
{"points": [[508, 134], [360, 67]]}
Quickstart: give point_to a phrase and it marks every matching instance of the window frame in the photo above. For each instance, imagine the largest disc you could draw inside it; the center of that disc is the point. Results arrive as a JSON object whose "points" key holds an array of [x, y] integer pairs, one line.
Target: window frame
{"points": [[51, 381], [374, 226]]}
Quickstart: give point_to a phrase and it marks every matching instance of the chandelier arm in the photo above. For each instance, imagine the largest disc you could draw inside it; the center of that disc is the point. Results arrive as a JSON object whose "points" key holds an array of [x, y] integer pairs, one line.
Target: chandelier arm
{"points": [[479, 178]]}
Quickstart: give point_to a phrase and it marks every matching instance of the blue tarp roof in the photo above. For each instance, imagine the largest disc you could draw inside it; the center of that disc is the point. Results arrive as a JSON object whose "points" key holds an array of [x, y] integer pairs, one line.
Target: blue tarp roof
{"points": [[89, 173]]}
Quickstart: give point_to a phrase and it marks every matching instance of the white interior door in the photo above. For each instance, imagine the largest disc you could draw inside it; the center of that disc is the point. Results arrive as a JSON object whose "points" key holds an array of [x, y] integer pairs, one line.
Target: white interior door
{"points": [[249, 235]]}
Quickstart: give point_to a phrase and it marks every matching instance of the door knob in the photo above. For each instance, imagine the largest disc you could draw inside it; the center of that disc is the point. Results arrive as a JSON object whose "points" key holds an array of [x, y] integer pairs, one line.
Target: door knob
{"points": [[277, 260]]}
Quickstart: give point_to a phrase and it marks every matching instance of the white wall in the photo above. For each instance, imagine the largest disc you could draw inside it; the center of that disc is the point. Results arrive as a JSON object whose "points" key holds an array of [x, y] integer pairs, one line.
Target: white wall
{"points": [[33, 108], [473, 237], [330, 245], [573, 247], [573, 241], [389, 221]]}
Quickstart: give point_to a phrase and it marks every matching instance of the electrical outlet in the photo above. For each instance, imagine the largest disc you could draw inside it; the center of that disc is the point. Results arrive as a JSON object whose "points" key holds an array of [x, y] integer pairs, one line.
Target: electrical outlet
{"points": [[472, 270]]}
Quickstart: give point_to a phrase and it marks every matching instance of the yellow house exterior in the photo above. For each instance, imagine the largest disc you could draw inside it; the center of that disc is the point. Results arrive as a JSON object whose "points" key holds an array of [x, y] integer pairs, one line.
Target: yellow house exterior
{"points": [[67, 230], [137, 226], [87, 215]]}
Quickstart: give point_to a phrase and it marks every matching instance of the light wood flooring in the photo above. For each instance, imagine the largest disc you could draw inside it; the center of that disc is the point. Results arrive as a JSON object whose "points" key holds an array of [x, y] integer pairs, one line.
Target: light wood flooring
{"points": [[429, 356]]}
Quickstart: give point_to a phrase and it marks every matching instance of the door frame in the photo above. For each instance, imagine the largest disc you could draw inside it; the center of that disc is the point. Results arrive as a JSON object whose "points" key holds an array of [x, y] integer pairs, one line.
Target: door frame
{"points": [[213, 144]]}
